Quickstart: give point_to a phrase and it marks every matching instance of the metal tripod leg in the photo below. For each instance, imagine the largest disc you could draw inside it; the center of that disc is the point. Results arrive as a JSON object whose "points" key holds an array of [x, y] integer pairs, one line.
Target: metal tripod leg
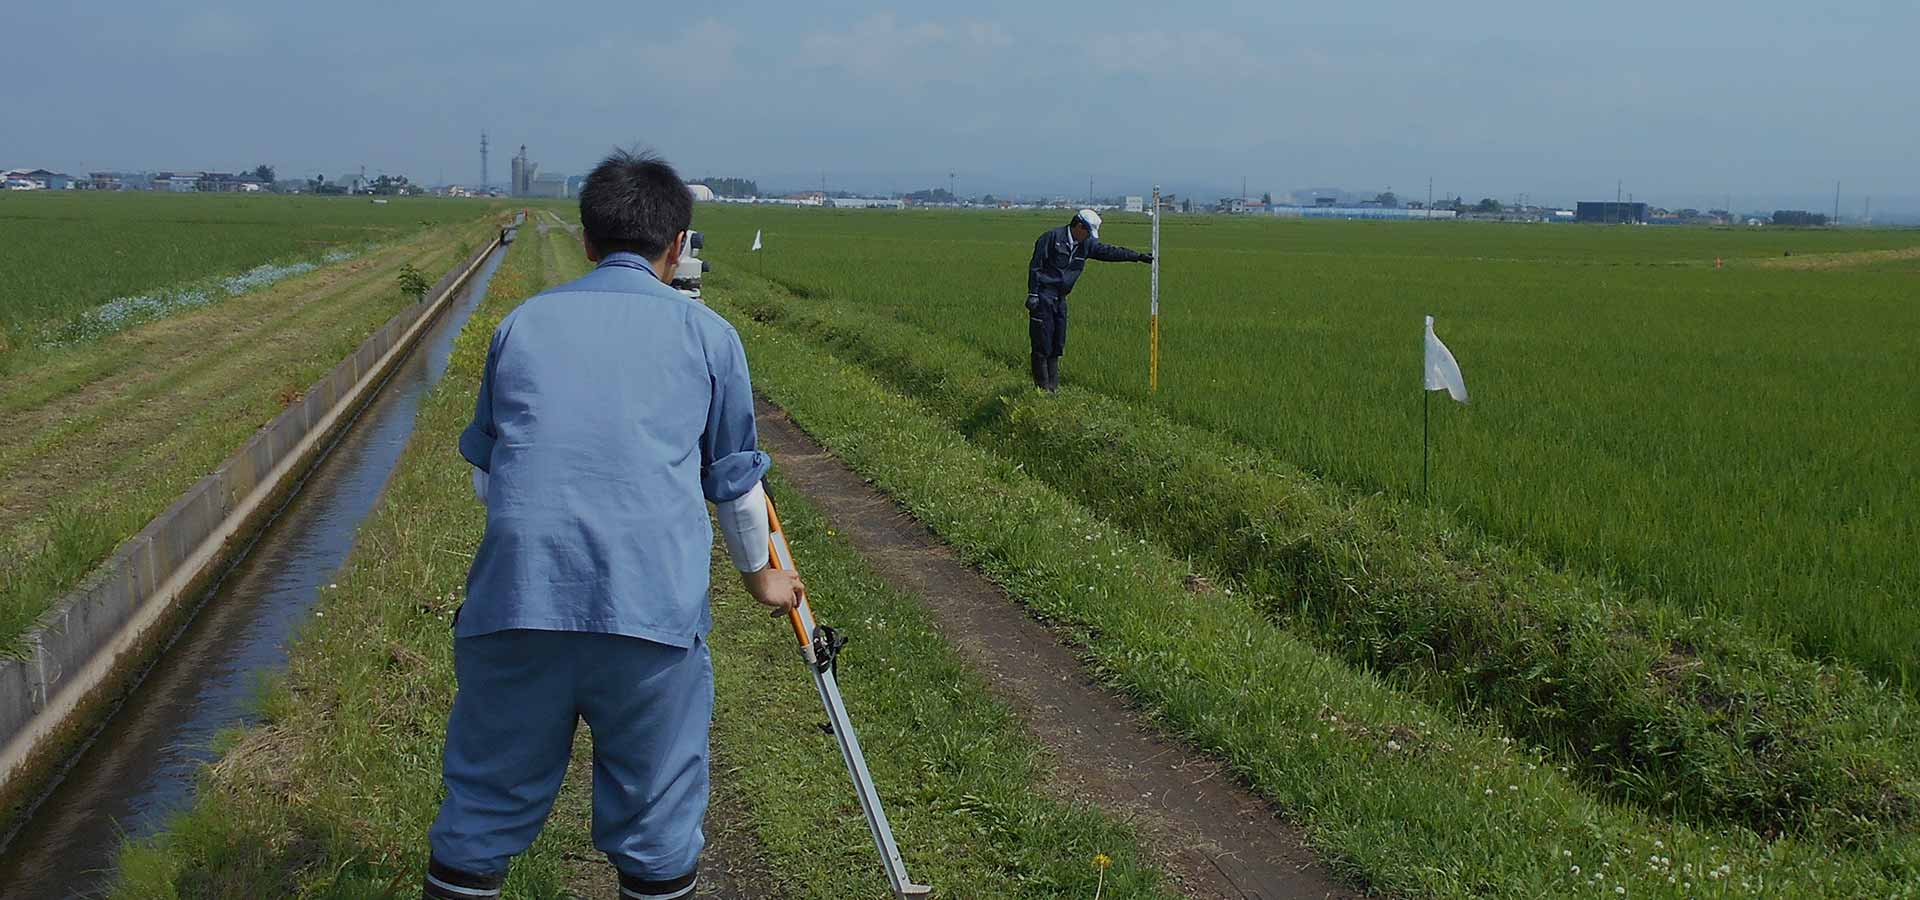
{"points": [[818, 646]]}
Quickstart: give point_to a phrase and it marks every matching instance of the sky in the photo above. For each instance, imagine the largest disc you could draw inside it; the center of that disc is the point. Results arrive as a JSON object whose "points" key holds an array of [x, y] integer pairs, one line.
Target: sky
{"points": [[1678, 103]]}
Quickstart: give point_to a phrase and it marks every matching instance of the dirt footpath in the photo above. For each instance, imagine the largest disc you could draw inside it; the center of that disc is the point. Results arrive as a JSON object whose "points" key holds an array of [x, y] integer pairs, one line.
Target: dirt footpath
{"points": [[1213, 836]]}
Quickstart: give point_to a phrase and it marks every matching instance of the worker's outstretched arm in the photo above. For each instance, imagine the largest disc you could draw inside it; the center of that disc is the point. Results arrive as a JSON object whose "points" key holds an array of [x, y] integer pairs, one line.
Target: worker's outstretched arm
{"points": [[1105, 252]]}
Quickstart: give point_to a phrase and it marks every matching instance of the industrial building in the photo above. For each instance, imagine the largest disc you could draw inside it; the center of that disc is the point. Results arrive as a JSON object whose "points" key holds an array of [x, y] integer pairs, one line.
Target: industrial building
{"points": [[523, 174], [1611, 212], [1359, 212], [548, 186]]}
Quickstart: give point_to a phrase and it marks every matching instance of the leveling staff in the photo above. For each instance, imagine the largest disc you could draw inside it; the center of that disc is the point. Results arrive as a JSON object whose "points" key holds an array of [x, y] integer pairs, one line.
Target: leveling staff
{"points": [[610, 410], [1058, 257]]}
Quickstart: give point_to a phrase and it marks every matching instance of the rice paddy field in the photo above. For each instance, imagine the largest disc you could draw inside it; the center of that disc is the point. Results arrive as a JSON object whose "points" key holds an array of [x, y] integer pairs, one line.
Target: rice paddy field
{"points": [[1739, 441], [146, 336], [69, 253]]}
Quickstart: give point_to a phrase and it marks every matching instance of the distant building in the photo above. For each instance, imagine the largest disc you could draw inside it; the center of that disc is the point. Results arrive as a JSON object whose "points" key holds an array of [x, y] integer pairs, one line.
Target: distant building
{"points": [[523, 172], [866, 203], [176, 182], [1358, 212], [1611, 212], [547, 186], [118, 181], [37, 180], [1135, 204]]}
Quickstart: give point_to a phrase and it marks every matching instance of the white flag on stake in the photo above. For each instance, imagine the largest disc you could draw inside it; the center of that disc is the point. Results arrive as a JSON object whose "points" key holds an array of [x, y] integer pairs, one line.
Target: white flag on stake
{"points": [[1442, 373], [756, 239]]}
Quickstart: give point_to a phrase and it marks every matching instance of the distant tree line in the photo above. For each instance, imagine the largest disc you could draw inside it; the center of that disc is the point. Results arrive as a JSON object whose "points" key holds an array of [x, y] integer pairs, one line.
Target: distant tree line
{"points": [[733, 187], [1798, 217], [937, 195]]}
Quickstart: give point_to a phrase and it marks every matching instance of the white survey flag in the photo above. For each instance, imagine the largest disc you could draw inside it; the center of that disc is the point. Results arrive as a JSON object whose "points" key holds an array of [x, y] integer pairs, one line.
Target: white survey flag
{"points": [[756, 239], [1442, 373]]}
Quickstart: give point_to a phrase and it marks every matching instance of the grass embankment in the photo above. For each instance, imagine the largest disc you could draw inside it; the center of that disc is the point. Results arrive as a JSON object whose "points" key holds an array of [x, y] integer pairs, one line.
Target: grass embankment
{"points": [[67, 253], [1414, 796], [1682, 713], [1739, 442], [97, 439], [332, 794]]}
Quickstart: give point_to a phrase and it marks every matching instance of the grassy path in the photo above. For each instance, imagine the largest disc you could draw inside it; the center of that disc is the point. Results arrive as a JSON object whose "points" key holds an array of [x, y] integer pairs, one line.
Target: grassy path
{"points": [[103, 436], [331, 795]]}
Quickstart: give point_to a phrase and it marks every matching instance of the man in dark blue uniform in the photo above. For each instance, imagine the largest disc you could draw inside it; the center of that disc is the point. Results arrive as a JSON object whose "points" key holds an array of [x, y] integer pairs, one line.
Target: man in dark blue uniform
{"points": [[1058, 257]]}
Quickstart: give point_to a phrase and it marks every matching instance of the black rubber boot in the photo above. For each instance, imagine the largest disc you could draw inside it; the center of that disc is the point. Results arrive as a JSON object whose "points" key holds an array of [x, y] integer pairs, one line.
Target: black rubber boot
{"points": [[1039, 371], [1053, 374], [447, 883], [632, 888]]}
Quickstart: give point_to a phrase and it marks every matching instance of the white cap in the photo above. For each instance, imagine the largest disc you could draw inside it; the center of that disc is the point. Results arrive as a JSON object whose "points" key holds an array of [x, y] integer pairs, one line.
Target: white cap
{"points": [[1091, 218]]}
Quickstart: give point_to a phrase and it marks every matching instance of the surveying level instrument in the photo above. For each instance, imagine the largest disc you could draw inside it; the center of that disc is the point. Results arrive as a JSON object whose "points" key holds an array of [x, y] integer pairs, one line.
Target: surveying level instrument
{"points": [[686, 276], [820, 647]]}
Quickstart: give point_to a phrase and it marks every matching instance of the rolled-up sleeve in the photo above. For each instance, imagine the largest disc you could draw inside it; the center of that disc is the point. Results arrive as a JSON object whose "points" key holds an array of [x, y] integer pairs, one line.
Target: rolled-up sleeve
{"points": [[730, 459], [476, 441]]}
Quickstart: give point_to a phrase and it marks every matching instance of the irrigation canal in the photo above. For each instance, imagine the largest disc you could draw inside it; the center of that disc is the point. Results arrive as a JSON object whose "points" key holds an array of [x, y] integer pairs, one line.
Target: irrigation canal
{"points": [[141, 767]]}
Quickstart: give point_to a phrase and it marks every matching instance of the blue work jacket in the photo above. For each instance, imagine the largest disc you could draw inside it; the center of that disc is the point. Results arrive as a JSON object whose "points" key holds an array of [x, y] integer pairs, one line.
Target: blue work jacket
{"points": [[610, 409]]}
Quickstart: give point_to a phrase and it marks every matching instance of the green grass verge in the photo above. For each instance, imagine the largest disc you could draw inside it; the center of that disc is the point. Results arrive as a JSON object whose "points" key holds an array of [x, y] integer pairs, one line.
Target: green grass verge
{"points": [[331, 796], [1682, 713], [1397, 788]]}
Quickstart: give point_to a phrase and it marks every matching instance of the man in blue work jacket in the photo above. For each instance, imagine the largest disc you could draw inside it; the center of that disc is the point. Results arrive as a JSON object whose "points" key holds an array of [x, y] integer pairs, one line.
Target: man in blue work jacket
{"points": [[1058, 257], [611, 410]]}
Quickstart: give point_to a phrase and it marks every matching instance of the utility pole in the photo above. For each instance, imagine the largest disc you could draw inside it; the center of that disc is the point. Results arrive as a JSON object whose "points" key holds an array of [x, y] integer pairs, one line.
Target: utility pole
{"points": [[1243, 189], [1089, 190], [1836, 201], [951, 196], [483, 162], [1429, 194], [1866, 215]]}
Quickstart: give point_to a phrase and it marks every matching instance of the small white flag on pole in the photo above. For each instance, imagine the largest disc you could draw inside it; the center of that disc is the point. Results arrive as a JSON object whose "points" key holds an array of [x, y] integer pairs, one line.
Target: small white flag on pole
{"points": [[1442, 373], [756, 239]]}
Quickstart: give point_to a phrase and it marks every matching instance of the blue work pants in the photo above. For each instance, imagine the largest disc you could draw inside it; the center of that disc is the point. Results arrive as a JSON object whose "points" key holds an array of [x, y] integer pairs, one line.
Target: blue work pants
{"points": [[510, 735]]}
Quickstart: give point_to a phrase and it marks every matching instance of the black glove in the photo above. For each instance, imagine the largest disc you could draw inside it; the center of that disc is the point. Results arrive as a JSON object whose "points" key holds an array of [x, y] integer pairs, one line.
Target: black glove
{"points": [[1146, 257], [1033, 302]]}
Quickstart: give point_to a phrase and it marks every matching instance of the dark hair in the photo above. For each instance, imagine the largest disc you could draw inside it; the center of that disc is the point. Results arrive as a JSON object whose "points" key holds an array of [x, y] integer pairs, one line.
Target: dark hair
{"points": [[634, 202]]}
